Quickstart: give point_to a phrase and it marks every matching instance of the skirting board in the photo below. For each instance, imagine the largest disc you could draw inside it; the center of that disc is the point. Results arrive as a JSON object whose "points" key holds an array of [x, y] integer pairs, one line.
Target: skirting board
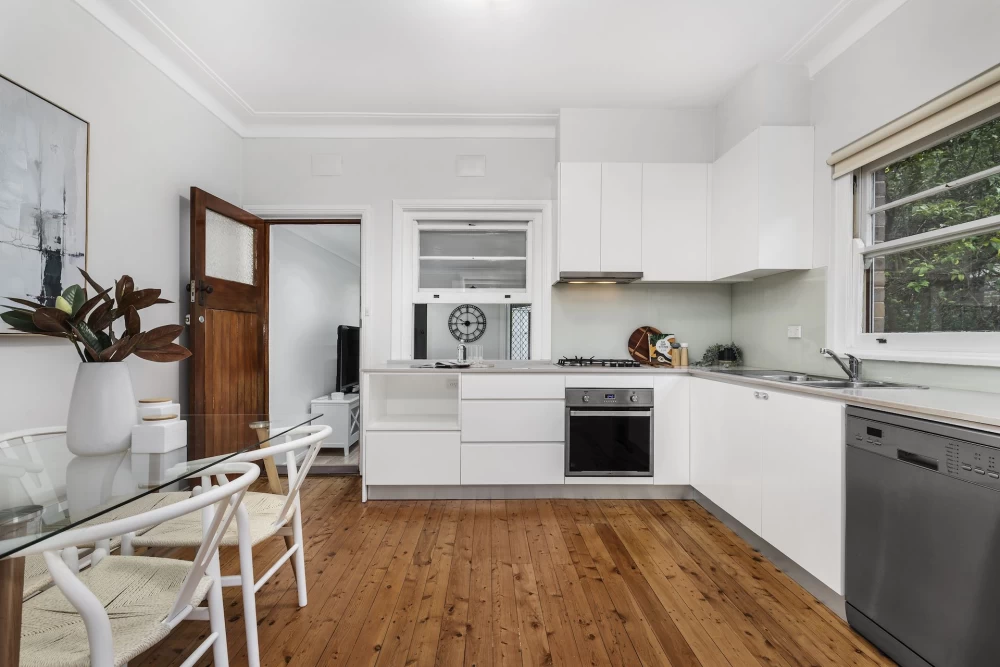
{"points": [[594, 491], [814, 586]]}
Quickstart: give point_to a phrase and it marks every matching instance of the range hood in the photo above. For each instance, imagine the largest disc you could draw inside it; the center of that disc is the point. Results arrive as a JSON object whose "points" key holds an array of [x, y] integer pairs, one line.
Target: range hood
{"points": [[600, 277]]}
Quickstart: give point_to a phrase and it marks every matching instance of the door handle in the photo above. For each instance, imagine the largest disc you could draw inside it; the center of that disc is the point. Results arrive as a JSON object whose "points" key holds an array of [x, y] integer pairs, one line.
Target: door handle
{"points": [[201, 288]]}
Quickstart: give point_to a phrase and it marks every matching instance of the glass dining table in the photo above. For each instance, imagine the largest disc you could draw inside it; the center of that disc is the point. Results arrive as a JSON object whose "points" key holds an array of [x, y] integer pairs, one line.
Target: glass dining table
{"points": [[45, 490]]}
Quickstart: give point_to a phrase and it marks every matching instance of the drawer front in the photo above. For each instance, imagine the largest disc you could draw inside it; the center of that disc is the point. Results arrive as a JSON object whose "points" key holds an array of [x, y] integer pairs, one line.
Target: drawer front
{"points": [[412, 457], [513, 421], [513, 463], [513, 385]]}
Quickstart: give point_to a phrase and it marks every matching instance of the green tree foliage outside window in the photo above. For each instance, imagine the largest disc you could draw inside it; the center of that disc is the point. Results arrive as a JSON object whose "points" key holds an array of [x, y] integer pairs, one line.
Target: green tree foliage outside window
{"points": [[953, 286]]}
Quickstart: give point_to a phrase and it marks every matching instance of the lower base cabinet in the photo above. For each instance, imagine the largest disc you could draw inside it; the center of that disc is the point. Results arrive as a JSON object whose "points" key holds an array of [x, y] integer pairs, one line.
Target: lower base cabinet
{"points": [[775, 463], [513, 463], [411, 458]]}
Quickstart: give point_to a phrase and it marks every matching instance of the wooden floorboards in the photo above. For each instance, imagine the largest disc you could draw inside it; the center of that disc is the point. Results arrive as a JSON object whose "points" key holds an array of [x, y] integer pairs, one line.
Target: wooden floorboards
{"points": [[524, 582]]}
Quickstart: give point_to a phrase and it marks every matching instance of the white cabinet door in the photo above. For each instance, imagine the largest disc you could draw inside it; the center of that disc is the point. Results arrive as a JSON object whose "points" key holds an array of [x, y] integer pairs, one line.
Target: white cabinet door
{"points": [[513, 421], [514, 385], [621, 216], [675, 222], [733, 236], [786, 197], [726, 448], [412, 457], [579, 216], [513, 463], [803, 484], [671, 429]]}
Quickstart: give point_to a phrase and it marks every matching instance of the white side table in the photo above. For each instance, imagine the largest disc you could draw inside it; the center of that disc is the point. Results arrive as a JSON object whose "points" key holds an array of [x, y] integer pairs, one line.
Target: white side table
{"points": [[343, 415]]}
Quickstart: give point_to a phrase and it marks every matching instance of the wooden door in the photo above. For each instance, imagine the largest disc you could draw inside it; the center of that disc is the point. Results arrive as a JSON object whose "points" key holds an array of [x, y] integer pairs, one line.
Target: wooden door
{"points": [[228, 292]]}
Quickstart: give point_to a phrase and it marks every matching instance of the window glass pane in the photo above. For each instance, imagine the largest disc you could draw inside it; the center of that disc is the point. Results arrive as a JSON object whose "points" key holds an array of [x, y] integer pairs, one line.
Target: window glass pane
{"points": [[473, 244], [229, 249], [962, 204], [952, 286], [503, 330], [968, 153], [473, 274]]}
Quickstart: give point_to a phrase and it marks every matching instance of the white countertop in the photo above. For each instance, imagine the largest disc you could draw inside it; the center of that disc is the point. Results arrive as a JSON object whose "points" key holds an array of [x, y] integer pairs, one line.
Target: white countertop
{"points": [[967, 408]]}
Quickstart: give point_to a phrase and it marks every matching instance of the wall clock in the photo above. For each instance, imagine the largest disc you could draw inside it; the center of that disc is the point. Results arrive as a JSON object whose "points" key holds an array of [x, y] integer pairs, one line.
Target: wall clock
{"points": [[467, 323]]}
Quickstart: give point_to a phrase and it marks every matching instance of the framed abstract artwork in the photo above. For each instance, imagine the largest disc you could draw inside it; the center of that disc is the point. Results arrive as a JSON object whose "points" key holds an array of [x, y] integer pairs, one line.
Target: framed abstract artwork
{"points": [[43, 196]]}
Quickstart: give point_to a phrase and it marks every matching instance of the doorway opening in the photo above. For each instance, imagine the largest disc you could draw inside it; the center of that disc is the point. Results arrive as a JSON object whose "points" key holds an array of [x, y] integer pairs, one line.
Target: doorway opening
{"points": [[314, 320]]}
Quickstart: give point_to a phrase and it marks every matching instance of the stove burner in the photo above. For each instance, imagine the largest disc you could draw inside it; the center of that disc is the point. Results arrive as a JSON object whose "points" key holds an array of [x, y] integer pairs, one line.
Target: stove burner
{"points": [[591, 361]]}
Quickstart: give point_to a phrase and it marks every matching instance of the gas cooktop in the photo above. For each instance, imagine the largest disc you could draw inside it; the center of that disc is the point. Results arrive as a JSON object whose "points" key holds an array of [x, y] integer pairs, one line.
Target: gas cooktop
{"points": [[591, 361]]}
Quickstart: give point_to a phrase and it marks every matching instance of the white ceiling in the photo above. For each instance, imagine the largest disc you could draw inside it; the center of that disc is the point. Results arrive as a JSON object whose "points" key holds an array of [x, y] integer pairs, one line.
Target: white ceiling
{"points": [[342, 240], [517, 62]]}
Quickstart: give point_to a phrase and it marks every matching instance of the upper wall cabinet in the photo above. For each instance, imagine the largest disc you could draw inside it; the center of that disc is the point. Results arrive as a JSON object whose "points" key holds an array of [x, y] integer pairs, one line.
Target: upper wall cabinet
{"points": [[579, 233], [762, 205], [675, 222], [624, 217]]}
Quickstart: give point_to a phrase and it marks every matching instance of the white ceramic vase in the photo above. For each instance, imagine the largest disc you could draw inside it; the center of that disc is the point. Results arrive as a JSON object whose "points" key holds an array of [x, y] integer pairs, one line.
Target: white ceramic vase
{"points": [[102, 410]]}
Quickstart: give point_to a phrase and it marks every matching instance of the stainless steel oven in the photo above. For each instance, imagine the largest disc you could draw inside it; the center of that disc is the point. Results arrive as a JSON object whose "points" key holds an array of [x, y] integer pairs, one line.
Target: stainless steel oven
{"points": [[609, 432]]}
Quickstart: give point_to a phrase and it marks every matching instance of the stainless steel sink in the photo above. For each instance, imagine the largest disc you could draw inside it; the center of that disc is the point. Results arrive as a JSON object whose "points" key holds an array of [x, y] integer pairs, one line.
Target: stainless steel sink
{"points": [[818, 381]]}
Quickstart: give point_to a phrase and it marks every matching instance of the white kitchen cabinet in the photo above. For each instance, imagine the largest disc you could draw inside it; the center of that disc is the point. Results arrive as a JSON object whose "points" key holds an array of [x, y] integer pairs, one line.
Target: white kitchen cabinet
{"points": [[513, 463], [513, 421], [621, 216], [802, 506], [761, 219], [726, 448], [579, 234], [675, 222], [412, 458]]}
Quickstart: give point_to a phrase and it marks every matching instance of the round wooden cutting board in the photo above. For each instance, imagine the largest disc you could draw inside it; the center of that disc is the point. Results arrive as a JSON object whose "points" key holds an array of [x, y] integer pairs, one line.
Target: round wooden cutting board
{"points": [[638, 345]]}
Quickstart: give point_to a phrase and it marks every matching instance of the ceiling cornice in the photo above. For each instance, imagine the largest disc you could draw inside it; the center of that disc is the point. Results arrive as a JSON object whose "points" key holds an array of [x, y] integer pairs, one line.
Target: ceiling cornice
{"points": [[250, 123]]}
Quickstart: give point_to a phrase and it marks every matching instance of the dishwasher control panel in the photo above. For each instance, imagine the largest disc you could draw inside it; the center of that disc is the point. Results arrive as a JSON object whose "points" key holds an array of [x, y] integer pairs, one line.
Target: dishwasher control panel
{"points": [[948, 452]]}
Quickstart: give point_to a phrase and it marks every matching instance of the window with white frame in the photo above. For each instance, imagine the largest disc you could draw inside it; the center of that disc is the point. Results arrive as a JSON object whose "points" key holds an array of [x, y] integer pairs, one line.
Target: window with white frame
{"points": [[928, 261]]}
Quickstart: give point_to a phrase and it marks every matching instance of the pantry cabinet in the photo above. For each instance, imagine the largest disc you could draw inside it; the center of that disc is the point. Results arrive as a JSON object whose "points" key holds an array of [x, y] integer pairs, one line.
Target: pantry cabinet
{"points": [[762, 205], [775, 462]]}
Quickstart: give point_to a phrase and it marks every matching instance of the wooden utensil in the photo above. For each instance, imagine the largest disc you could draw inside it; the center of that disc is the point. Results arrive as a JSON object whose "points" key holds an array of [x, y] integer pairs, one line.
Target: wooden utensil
{"points": [[638, 346]]}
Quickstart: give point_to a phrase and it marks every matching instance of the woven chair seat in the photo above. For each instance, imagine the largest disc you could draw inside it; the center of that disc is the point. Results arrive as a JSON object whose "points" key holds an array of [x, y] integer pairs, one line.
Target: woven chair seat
{"points": [[185, 531], [137, 592], [36, 574]]}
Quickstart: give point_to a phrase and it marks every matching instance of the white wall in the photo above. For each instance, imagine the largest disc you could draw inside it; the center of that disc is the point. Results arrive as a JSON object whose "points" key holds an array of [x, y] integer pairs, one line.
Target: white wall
{"points": [[312, 292], [149, 143], [636, 135], [597, 320], [922, 50], [376, 171], [769, 94]]}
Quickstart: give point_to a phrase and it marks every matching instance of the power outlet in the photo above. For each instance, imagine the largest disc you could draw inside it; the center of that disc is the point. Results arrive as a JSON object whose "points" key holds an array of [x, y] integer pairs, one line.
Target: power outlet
{"points": [[795, 331]]}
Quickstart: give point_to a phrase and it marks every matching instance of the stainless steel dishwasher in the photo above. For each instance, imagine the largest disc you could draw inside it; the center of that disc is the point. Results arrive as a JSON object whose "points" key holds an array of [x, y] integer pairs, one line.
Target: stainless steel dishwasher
{"points": [[923, 539]]}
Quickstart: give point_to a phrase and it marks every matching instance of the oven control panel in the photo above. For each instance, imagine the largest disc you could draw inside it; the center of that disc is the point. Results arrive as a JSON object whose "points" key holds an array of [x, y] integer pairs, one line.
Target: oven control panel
{"points": [[609, 398]]}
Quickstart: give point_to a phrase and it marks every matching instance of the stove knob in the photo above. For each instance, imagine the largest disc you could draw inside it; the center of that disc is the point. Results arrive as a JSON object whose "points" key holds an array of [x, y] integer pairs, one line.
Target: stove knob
{"points": [[633, 398], [586, 398]]}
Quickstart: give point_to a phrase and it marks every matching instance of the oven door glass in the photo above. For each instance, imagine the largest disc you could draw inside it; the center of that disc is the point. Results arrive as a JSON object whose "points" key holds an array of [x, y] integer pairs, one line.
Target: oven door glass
{"points": [[609, 442]]}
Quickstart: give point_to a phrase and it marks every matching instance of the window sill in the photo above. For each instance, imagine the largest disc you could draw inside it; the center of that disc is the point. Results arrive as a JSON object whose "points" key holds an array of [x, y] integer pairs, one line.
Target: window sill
{"points": [[930, 356]]}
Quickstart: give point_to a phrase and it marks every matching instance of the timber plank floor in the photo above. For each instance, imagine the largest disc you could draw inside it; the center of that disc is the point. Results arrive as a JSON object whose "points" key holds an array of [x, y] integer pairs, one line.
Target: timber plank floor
{"points": [[524, 582]]}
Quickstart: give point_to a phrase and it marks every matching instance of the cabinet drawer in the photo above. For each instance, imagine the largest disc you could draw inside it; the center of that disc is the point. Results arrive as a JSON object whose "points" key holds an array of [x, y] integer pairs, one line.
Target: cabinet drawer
{"points": [[510, 463], [412, 457], [513, 421], [515, 386]]}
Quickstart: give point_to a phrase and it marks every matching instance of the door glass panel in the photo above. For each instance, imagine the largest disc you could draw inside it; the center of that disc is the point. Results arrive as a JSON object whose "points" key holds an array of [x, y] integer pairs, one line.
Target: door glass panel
{"points": [[229, 249]]}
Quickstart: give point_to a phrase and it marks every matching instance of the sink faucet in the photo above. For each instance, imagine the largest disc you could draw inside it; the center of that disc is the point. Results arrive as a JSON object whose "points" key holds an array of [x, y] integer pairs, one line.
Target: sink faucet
{"points": [[852, 367]]}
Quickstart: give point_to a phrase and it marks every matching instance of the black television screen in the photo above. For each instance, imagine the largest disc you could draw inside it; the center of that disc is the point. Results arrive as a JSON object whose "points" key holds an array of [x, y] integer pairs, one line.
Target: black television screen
{"points": [[348, 357]]}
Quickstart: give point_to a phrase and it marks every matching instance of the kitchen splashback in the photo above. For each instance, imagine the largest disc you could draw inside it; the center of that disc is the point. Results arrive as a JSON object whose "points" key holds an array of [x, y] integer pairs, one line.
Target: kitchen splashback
{"points": [[598, 319]]}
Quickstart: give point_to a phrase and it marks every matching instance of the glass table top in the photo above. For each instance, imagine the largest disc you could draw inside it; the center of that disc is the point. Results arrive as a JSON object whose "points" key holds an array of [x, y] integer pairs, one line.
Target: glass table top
{"points": [[46, 489]]}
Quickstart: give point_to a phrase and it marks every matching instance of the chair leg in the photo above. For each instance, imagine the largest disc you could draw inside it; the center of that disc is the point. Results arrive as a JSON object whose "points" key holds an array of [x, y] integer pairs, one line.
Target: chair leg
{"points": [[300, 557], [217, 613], [247, 584]]}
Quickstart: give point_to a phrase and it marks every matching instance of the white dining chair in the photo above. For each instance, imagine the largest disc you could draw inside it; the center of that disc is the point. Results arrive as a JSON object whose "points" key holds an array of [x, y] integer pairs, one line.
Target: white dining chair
{"points": [[21, 459], [260, 517], [123, 605]]}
